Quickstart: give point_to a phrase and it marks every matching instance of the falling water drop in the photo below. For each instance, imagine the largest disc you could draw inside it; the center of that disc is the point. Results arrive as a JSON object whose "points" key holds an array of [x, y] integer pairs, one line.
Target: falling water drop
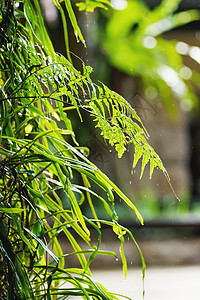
{"points": [[77, 36]]}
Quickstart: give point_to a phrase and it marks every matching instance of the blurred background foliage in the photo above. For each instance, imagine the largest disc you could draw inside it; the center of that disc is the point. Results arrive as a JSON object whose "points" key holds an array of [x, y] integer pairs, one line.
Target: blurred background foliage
{"points": [[138, 48]]}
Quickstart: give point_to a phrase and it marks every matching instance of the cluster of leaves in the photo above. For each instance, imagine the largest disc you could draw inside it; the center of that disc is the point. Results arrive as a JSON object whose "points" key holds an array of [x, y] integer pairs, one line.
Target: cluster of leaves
{"points": [[40, 159]]}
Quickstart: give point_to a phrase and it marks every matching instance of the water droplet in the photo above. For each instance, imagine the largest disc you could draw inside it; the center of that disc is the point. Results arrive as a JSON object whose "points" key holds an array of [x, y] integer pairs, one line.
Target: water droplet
{"points": [[151, 92], [182, 48], [16, 4], [117, 259], [149, 42], [76, 34], [119, 4], [110, 150], [131, 262]]}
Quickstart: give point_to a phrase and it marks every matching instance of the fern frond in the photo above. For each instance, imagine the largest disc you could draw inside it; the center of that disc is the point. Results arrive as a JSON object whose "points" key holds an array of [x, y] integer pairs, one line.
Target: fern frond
{"points": [[121, 126]]}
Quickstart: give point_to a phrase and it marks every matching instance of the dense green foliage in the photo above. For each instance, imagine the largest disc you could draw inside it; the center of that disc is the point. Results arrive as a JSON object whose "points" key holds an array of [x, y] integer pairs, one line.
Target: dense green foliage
{"points": [[40, 157]]}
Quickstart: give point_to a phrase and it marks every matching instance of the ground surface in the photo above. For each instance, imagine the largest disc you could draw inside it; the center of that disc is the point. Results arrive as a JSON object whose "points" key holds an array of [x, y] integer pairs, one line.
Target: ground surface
{"points": [[169, 283]]}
